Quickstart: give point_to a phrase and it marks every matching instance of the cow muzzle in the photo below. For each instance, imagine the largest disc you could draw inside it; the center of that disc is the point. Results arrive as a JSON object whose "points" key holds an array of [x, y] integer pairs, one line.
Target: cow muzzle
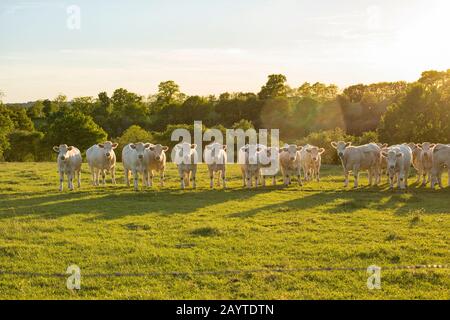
{"points": [[63, 158], [141, 157]]}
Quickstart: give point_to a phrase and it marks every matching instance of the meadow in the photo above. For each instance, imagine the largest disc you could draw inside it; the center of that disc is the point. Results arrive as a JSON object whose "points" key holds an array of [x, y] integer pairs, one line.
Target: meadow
{"points": [[112, 229]]}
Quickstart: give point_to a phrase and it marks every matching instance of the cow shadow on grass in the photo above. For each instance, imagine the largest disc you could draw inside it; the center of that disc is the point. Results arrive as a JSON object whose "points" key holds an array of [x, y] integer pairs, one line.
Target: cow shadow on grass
{"points": [[347, 202], [117, 202]]}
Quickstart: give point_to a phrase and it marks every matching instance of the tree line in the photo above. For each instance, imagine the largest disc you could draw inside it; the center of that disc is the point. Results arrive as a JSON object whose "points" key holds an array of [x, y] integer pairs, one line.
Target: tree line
{"points": [[390, 112]]}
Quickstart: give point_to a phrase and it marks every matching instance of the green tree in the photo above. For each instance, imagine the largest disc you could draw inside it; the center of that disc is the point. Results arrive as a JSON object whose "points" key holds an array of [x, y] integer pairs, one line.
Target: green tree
{"points": [[74, 128], [25, 146], [275, 87]]}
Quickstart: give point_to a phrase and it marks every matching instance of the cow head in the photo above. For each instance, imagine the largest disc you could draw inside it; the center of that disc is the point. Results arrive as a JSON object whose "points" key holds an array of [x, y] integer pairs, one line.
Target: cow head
{"points": [[140, 149], [426, 150], [340, 147], [107, 149], [251, 152], [158, 151], [292, 150], [315, 152], [391, 156], [62, 151], [215, 149], [184, 153]]}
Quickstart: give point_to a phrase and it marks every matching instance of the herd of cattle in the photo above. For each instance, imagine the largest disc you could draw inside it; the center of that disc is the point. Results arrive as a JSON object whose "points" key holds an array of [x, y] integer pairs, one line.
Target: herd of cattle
{"points": [[257, 162]]}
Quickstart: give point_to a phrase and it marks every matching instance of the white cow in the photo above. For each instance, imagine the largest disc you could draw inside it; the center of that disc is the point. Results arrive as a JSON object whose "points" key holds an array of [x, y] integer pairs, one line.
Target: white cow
{"points": [[249, 159], [311, 161], [416, 161], [426, 161], [102, 159], [270, 164], [399, 160], [133, 162], [69, 163], [155, 160], [186, 158], [290, 163], [216, 159], [441, 159], [355, 159]]}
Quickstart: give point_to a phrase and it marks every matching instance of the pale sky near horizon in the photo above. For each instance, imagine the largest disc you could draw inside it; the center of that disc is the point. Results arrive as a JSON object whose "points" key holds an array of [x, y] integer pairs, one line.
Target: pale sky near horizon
{"points": [[213, 46]]}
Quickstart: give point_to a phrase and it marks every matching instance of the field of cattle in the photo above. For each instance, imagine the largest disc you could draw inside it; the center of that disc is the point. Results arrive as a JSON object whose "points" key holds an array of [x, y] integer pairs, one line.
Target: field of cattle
{"points": [[204, 233]]}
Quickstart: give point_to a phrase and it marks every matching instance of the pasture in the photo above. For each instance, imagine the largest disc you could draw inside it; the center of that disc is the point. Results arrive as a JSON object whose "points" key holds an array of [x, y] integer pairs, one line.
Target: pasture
{"points": [[113, 229]]}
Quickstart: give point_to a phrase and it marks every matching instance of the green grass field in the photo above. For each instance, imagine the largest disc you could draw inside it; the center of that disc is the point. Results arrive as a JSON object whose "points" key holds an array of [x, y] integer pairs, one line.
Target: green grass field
{"points": [[114, 229]]}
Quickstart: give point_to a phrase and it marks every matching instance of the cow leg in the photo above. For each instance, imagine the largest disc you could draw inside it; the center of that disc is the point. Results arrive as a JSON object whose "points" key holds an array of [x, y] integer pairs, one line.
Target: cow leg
{"points": [[113, 175], [145, 178], [224, 178], [61, 181], [103, 176], [161, 177], [274, 180], [136, 179], [79, 178], [346, 174], [93, 175], [356, 176], [127, 177], [211, 179], [70, 180], [299, 177], [150, 178], [194, 181]]}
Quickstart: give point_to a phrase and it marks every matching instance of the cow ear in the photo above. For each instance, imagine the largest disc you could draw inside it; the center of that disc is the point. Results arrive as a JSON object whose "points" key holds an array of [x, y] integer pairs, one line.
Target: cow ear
{"points": [[348, 144], [133, 146], [419, 145], [165, 148], [299, 148], [334, 144], [115, 145], [101, 145], [308, 150], [384, 154], [70, 148], [321, 150], [56, 149], [193, 146], [432, 145], [148, 146]]}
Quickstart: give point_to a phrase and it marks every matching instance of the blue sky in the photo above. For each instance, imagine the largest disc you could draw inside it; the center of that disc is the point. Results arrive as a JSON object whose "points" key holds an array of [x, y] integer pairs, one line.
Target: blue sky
{"points": [[214, 46]]}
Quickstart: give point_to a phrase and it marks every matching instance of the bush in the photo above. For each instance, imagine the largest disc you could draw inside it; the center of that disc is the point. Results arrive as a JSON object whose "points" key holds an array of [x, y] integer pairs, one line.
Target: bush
{"points": [[74, 129], [132, 135], [25, 146]]}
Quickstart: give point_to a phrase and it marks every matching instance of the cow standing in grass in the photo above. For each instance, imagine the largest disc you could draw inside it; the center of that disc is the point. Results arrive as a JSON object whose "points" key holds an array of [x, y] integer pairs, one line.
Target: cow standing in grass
{"points": [[399, 160], [290, 163], [155, 161], [441, 160], [216, 160], [186, 158], [311, 161], [356, 159], [426, 161], [416, 160], [270, 164], [69, 163], [102, 159], [248, 159], [133, 162]]}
